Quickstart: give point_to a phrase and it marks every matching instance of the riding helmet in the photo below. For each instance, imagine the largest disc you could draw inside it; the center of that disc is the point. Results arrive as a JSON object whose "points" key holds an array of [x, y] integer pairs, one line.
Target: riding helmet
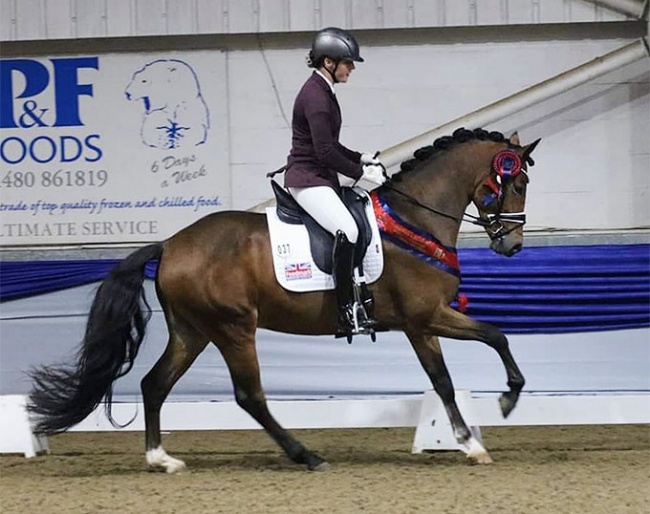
{"points": [[335, 43]]}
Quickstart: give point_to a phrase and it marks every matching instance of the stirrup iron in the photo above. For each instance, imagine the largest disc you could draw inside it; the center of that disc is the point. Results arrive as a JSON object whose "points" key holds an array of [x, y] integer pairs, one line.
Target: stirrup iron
{"points": [[360, 320]]}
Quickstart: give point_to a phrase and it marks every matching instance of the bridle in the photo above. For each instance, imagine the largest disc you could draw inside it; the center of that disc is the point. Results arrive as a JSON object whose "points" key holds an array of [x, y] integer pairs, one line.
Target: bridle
{"points": [[507, 165]]}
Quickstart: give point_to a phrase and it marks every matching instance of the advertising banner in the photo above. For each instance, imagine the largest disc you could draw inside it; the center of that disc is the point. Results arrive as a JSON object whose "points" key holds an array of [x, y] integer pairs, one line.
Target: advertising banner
{"points": [[111, 148]]}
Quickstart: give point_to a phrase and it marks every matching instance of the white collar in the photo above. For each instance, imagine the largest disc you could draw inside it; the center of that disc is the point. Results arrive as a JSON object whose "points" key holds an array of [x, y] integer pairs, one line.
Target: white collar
{"points": [[329, 83]]}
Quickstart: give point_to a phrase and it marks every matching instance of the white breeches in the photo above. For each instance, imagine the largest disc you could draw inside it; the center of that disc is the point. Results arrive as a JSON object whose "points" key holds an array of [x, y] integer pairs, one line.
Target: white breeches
{"points": [[325, 206]]}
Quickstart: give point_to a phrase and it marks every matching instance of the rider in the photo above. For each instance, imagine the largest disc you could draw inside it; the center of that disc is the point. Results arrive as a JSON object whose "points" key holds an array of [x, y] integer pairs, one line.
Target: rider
{"points": [[317, 158]]}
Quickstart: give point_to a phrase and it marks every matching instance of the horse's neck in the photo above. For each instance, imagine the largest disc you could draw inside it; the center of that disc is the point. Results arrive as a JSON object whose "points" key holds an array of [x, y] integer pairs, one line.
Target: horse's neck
{"points": [[446, 185]]}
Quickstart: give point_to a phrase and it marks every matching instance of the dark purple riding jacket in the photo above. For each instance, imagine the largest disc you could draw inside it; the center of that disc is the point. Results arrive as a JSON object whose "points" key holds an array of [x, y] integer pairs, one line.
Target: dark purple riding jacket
{"points": [[316, 154]]}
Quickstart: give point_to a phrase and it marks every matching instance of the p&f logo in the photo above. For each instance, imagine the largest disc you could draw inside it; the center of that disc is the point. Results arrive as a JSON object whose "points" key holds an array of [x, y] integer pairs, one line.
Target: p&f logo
{"points": [[22, 82], [67, 91]]}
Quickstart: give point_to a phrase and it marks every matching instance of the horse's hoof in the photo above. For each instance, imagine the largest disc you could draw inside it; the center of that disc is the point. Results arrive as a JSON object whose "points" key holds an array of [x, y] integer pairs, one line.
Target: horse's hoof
{"points": [[158, 460], [323, 466], [170, 470], [175, 469], [507, 403], [475, 451], [479, 458], [178, 470]]}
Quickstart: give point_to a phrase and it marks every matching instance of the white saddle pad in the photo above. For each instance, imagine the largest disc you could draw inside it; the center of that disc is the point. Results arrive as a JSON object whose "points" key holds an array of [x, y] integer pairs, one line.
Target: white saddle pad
{"points": [[294, 267]]}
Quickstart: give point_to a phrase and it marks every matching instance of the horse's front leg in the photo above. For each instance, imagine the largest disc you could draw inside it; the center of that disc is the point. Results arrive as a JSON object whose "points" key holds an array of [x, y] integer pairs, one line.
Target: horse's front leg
{"points": [[453, 324], [429, 352]]}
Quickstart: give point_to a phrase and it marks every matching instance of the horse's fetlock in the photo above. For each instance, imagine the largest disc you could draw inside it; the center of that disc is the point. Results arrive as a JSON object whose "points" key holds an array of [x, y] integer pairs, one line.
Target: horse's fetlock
{"points": [[298, 454], [516, 384], [462, 435]]}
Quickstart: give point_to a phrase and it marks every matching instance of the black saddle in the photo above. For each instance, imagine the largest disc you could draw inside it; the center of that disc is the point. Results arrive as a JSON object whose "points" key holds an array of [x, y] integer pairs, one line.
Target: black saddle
{"points": [[321, 242]]}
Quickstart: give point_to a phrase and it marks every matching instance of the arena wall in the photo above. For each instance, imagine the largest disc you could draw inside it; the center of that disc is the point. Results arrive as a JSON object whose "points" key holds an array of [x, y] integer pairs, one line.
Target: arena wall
{"points": [[593, 161]]}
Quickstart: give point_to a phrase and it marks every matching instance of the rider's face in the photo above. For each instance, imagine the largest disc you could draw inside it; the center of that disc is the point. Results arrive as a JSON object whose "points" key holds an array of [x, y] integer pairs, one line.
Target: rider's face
{"points": [[343, 70]]}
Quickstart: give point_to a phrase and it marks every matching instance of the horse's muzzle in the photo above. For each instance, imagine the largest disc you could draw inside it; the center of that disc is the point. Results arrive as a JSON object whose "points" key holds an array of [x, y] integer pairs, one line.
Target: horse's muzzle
{"points": [[506, 245]]}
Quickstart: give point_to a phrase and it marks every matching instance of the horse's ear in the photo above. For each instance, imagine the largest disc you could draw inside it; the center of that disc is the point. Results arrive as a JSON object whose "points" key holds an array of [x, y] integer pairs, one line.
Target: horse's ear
{"points": [[527, 150], [514, 138]]}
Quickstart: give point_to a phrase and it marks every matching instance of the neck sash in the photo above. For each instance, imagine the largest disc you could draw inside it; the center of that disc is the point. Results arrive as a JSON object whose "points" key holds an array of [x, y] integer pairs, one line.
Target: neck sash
{"points": [[416, 241]]}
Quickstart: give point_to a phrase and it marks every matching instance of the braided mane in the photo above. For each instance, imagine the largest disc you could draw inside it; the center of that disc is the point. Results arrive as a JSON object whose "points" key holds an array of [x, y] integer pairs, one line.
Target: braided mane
{"points": [[443, 143]]}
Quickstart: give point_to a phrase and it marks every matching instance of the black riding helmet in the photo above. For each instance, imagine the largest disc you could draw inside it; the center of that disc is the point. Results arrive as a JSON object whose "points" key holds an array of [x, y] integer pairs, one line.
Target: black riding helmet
{"points": [[335, 43]]}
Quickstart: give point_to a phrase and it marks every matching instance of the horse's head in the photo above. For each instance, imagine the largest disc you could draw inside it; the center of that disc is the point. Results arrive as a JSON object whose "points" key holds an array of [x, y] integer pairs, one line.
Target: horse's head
{"points": [[432, 190], [500, 195]]}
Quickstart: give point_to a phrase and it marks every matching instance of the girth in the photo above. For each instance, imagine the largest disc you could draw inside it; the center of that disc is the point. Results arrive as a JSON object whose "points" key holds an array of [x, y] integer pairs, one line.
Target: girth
{"points": [[321, 242]]}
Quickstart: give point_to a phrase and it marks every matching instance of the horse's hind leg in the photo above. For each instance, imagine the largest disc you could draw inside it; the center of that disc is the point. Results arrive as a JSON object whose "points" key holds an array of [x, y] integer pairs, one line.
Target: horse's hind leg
{"points": [[182, 349], [429, 353], [241, 358]]}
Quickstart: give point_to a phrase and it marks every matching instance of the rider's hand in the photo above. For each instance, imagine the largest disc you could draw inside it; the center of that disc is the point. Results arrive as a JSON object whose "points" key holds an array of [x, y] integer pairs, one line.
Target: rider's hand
{"points": [[373, 173], [370, 158]]}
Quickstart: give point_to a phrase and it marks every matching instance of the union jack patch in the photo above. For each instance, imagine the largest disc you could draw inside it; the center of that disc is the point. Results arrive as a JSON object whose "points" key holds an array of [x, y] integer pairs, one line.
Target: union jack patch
{"points": [[297, 271]]}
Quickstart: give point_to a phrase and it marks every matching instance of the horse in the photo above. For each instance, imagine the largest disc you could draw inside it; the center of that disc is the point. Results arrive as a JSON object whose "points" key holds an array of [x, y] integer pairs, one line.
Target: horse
{"points": [[215, 283]]}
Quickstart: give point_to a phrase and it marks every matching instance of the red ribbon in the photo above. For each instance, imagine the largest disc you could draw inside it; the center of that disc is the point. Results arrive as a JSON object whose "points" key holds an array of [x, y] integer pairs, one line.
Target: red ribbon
{"points": [[391, 226]]}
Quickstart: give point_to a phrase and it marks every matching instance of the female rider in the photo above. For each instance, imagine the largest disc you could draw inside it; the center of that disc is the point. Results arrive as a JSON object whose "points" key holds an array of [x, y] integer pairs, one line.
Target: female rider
{"points": [[317, 158]]}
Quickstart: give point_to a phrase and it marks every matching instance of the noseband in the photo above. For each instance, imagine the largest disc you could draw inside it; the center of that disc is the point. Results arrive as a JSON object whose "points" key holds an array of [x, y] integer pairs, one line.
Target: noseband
{"points": [[507, 165], [494, 227]]}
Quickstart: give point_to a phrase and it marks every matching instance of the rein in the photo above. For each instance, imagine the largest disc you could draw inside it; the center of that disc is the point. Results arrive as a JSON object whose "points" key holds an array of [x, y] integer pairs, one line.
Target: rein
{"points": [[492, 224], [470, 218]]}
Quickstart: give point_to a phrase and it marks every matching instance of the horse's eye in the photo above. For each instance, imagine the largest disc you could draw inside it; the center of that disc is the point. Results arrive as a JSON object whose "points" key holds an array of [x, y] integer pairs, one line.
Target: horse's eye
{"points": [[520, 188]]}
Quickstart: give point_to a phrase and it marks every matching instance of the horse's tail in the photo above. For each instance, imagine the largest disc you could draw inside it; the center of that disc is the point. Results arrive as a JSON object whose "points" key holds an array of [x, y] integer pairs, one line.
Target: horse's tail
{"points": [[63, 396]]}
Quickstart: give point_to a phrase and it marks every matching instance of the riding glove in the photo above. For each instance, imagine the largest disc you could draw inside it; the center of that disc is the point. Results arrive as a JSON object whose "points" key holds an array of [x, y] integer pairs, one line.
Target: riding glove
{"points": [[369, 158], [373, 173]]}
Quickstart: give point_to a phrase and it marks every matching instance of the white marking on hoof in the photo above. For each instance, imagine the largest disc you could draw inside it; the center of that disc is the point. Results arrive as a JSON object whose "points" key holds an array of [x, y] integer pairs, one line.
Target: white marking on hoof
{"points": [[475, 451], [158, 459], [323, 466]]}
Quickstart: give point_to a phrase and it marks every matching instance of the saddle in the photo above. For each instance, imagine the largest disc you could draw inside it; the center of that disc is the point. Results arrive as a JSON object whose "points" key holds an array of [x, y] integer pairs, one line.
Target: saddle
{"points": [[321, 242]]}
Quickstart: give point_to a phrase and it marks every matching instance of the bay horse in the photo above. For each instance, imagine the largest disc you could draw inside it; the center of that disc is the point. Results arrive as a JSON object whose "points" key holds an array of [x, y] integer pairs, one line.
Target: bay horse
{"points": [[215, 283]]}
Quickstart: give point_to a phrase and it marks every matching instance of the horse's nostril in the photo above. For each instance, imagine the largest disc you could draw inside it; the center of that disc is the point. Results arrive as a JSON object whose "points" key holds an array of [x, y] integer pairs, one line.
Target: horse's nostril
{"points": [[516, 249]]}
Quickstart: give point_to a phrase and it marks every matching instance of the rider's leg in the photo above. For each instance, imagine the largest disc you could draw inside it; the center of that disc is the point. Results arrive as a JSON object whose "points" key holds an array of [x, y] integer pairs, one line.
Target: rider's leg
{"points": [[343, 264], [325, 206]]}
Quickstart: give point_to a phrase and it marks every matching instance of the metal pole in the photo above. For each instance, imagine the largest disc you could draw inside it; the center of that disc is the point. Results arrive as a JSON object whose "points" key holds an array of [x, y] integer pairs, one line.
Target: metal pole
{"points": [[632, 8], [526, 98]]}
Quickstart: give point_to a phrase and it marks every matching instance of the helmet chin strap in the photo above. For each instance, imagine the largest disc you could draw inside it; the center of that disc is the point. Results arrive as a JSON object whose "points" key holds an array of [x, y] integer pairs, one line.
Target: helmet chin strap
{"points": [[332, 72]]}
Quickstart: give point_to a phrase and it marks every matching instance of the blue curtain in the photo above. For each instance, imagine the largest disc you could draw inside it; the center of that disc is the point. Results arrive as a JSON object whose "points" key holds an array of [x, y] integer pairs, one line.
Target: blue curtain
{"points": [[560, 288], [541, 290], [22, 279]]}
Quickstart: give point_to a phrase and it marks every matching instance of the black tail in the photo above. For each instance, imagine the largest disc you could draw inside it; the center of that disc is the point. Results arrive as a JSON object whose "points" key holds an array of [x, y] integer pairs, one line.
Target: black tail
{"points": [[64, 396]]}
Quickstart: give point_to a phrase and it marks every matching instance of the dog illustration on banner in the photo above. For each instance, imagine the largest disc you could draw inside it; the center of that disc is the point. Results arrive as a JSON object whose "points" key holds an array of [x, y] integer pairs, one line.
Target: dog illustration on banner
{"points": [[175, 113]]}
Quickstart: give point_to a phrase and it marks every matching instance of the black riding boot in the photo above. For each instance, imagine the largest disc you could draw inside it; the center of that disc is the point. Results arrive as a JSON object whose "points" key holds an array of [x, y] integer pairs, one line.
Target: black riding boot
{"points": [[343, 264], [343, 267]]}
